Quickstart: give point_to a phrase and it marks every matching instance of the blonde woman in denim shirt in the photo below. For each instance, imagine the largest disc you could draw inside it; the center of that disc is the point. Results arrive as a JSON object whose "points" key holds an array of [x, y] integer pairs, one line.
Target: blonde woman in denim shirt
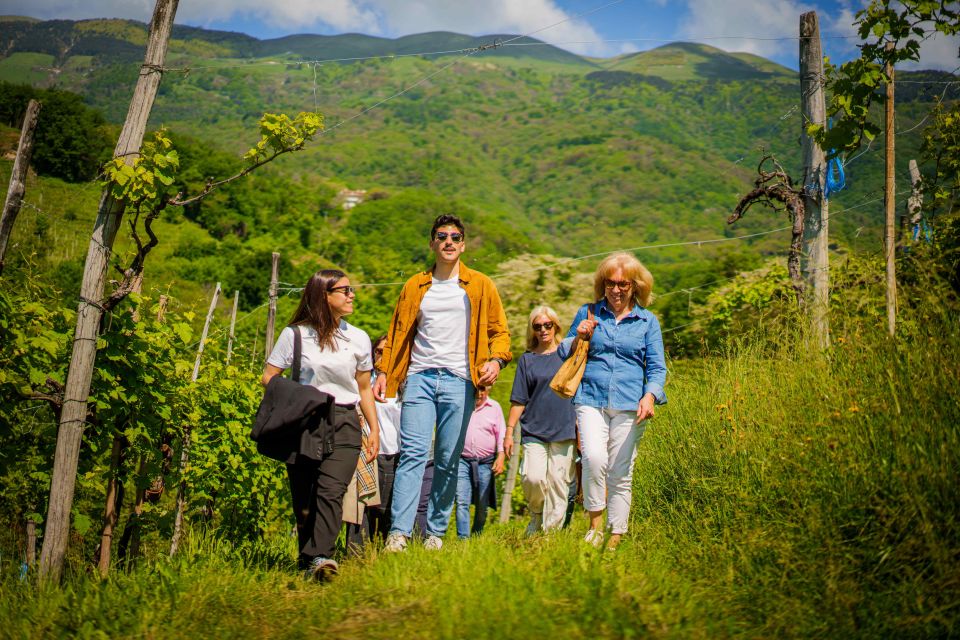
{"points": [[623, 380]]}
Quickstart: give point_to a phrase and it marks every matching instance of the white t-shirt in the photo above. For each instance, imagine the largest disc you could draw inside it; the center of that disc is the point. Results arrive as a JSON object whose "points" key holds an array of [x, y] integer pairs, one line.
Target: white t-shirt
{"points": [[388, 415], [332, 372], [443, 325]]}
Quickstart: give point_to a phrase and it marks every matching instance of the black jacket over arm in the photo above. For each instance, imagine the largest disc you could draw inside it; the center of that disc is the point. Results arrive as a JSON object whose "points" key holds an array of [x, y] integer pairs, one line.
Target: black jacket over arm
{"points": [[294, 419]]}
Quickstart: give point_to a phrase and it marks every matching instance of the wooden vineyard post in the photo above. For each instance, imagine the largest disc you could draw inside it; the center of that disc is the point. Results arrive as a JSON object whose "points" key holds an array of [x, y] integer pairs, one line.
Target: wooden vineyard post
{"points": [[511, 482], [233, 324], [89, 312], [185, 445], [815, 259], [889, 203], [31, 541], [18, 179], [272, 310], [111, 511]]}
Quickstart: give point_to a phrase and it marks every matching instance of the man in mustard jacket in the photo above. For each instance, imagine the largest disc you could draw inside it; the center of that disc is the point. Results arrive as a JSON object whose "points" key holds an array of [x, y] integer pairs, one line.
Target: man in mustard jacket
{"points": [[448, 336]]}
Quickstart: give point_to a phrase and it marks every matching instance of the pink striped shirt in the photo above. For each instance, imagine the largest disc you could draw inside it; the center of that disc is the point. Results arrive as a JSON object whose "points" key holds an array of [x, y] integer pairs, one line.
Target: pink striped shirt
{"points": [[485, 431]]}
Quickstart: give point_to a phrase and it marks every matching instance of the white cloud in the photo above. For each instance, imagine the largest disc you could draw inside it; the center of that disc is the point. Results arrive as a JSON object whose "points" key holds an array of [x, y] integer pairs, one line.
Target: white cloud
{"points": [[937, 52], [297, 15], [744, 25]]}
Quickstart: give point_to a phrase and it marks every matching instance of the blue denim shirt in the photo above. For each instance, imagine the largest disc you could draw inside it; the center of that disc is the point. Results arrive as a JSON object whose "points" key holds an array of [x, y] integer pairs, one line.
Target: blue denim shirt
{"points": [[625, 361]]}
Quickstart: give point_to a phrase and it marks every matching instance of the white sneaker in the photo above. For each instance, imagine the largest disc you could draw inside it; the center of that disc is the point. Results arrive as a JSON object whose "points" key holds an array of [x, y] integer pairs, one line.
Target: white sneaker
{"points": [[322, 569], [433, 543], [594, 537], [395, 542]]}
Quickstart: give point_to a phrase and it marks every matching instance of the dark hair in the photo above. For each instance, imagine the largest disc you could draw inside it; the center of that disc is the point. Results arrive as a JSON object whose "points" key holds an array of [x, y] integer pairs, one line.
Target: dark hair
{"points": [[314, 310], [373, 346], [445, 220]]}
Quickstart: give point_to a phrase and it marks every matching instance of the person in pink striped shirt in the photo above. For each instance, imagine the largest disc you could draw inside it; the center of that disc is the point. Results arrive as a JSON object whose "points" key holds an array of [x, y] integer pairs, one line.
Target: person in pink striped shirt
{"points": [[482, 458]]}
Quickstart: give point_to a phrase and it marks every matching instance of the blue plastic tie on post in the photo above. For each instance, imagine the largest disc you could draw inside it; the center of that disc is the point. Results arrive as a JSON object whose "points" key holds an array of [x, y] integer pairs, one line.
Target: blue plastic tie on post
{"points": [[836, 179]]}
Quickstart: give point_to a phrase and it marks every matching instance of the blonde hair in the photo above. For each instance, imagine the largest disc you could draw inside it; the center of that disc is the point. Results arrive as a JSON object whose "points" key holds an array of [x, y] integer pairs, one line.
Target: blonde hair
{"points": [[542, 310], [633, 270]]}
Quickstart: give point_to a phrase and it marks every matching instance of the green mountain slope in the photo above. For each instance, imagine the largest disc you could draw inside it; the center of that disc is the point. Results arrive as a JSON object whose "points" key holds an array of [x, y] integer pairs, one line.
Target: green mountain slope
{"points": [[548, 154]]}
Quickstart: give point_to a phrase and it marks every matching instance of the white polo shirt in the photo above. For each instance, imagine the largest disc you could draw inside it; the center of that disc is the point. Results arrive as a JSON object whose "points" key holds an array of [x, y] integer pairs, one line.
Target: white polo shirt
{"points": [[331, 371]]}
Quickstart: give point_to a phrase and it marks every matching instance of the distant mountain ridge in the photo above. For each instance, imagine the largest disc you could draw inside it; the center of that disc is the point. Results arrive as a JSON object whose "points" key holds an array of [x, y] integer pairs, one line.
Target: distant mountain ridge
{"points": [[123, 40]]}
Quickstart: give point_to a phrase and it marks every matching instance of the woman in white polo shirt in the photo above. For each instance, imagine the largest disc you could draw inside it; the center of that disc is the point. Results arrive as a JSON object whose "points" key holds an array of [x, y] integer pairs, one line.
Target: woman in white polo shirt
{"points": [[336, 360]]}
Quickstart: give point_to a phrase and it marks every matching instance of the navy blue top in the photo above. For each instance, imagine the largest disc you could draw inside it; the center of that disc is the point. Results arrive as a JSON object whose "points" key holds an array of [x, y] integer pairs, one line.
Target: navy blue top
{"points": [[546, 417]]}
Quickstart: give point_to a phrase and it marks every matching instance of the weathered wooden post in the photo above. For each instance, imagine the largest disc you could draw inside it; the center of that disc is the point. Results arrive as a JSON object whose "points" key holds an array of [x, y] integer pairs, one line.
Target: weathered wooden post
{"points": [[272, 311], [18, 178], [233, 324], [511, 482], [31, 541], [815, 259], [185, 445], [111, 510], [889, 227], [89, 312], [915, 201]]}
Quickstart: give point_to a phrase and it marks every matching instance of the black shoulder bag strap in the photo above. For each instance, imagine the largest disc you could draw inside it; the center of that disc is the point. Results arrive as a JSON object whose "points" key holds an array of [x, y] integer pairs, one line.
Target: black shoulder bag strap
{"points": [[297, 353]]}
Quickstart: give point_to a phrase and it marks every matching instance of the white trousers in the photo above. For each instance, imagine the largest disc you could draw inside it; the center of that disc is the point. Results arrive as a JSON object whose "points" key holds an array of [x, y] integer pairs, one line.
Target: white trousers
{"points": [[608, 447], [548, 470]]}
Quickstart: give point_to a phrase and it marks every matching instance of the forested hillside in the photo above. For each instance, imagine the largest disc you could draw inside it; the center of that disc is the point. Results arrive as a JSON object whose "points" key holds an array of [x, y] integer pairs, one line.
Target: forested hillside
{"points": [[543, 152]]}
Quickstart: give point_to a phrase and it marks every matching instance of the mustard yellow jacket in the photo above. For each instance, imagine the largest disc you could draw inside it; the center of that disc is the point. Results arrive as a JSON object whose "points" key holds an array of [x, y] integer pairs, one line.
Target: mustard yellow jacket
{"points": [[489, 337]]}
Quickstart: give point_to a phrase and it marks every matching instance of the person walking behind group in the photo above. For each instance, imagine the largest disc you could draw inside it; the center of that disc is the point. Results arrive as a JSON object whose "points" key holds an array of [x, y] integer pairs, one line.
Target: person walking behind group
{"points": [[547, 422], [448, 337], [624, 377], [374, 519], [388, 413], [482, 459], [336, 360]]}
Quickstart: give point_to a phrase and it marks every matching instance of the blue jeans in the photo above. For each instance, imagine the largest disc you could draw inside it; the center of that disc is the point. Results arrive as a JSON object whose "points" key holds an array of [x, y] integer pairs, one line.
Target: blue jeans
{"points": [[466, 497], [435, 397]]}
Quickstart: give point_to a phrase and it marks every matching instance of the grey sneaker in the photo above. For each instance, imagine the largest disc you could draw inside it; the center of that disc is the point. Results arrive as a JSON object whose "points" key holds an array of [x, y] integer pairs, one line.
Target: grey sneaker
{"points": [[433, 543], [322, 569], [594, 537], [395, 542], [536, 524]]}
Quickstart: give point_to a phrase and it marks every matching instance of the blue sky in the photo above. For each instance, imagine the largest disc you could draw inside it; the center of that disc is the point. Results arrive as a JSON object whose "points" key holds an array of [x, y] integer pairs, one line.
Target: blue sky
{"points": [[592, 27]]}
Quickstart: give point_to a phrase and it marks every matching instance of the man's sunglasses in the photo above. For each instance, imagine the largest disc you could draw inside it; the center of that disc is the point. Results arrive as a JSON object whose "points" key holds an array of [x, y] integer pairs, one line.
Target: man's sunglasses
{"points": [[345, 290], [546, 325], [443, 235]]}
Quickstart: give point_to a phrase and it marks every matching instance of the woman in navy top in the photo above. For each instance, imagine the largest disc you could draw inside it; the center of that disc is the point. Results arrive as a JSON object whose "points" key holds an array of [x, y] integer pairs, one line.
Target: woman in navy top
{"points": [[548, 422], [623, 380]]}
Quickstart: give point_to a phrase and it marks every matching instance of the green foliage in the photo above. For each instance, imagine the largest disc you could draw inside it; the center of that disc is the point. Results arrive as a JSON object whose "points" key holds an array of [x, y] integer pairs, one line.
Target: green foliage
{"points": [[142, 394], [941, 146], [279, 134], [71, 140], [146, 181], [892, 32]]}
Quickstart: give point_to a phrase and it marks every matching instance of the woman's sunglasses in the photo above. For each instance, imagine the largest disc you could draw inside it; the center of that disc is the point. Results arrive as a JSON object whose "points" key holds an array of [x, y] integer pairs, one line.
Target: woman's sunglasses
{"points": [[345, 290], [545, 325], [443, 235]]}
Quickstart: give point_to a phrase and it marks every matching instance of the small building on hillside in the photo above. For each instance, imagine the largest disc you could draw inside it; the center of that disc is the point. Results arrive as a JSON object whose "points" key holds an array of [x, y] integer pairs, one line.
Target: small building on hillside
{"points": [[348, 198]]}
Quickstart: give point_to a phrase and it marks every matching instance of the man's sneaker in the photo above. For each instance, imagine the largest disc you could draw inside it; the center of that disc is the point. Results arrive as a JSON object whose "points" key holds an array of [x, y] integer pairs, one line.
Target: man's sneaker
{"points": [[322, 569], [433, 543], [395, 542], [594, 537]]}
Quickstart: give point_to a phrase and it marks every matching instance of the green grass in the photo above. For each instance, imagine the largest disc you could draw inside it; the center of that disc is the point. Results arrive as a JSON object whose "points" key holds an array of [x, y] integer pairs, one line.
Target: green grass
{"points": [[779, 493], [29, 68]]}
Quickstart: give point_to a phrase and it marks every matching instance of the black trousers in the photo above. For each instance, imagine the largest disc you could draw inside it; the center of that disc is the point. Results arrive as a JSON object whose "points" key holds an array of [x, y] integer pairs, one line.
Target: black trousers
{"points": [[317, 489]]}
